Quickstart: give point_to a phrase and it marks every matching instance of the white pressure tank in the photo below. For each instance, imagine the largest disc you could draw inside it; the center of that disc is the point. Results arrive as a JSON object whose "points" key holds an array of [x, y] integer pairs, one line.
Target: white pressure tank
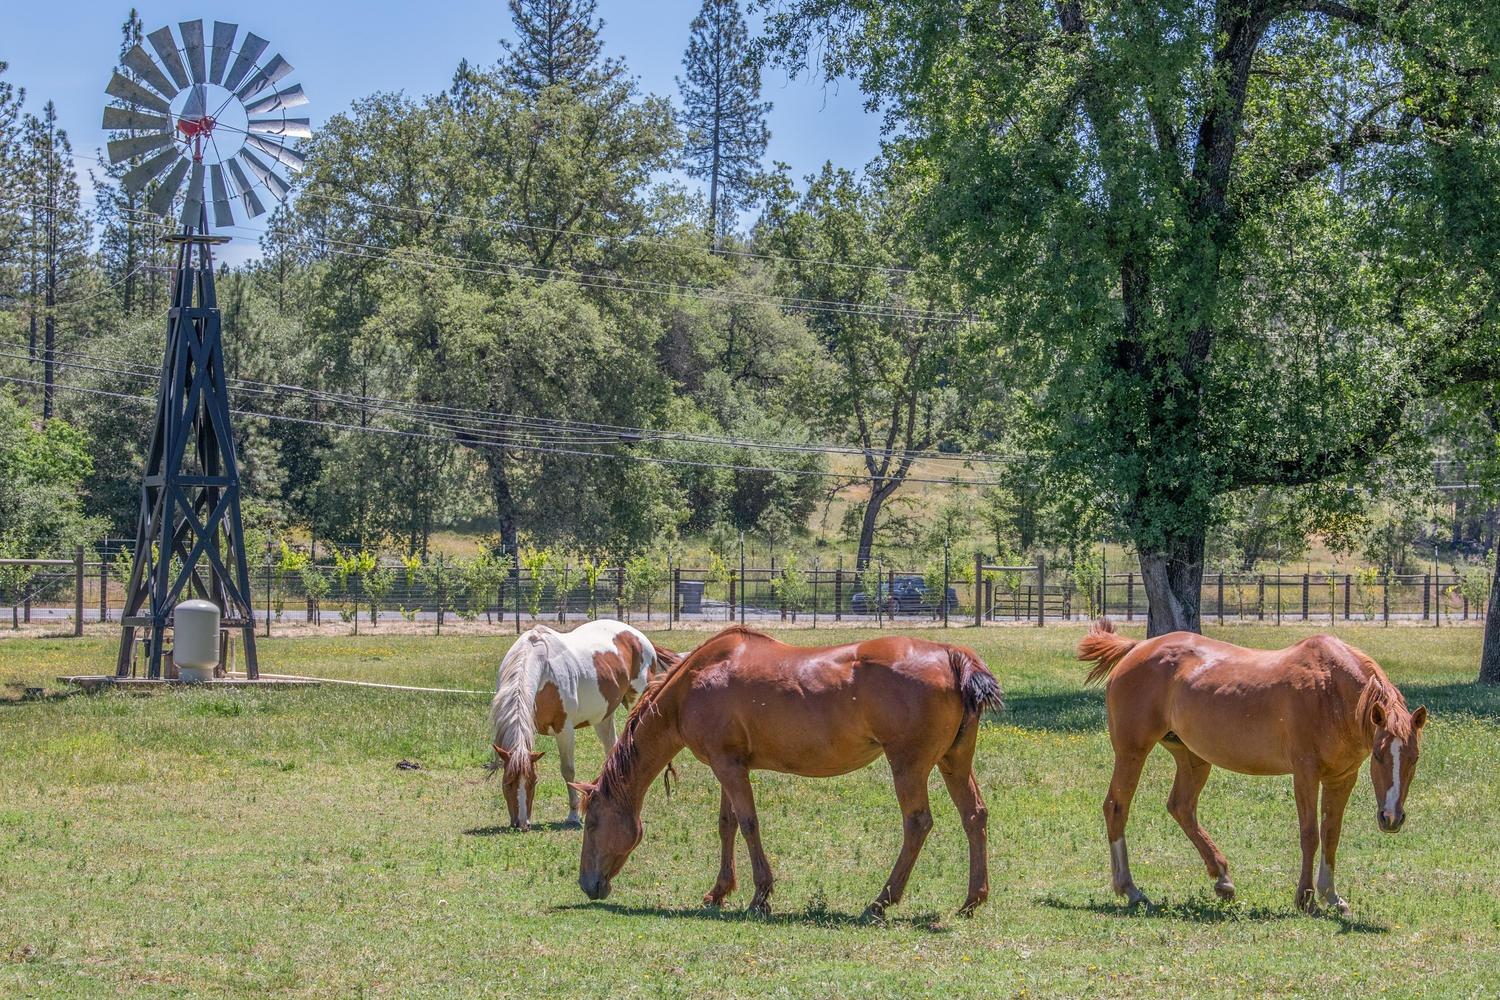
{"points": [[195, 640]]}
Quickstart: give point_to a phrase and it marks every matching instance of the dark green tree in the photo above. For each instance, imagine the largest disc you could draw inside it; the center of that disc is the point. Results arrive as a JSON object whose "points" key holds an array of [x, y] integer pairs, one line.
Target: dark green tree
{"points": [[1227, 243], [723, 116], [557, 43]]}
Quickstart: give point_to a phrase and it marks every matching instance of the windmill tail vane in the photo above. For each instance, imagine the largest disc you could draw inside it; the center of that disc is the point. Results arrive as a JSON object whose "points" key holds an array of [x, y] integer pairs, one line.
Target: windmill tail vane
{"points": [[208, 111]]}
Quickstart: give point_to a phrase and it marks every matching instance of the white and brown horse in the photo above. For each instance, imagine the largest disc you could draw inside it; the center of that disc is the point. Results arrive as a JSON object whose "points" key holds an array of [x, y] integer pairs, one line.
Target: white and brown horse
{"points": [[556, 682], [1315, 711]]}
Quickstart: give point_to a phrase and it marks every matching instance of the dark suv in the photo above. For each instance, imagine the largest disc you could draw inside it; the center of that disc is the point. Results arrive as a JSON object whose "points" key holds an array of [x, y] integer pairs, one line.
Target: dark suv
{"points": [[907, 595]]}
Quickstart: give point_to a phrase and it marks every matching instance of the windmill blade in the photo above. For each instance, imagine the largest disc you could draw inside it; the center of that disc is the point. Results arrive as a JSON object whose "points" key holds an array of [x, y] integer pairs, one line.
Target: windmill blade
{"points": [[292, 97], [290, 158], [271, 73], [141, 175], [223, 213], [196, 105], [192, 205], [166, 50], [123, 119], [278, 187], [244, 189], [131, 92], [245, 61], [139, 61], [192, 44], [161, 200], [127, 149], [223, 45], [296, 128]]}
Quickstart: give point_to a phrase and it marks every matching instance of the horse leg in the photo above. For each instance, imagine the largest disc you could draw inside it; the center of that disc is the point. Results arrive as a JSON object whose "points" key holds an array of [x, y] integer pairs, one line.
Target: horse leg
{"points": [[725, 884], [916, 822], [1335, 797], [734, 781], [1182, 803], [565, 758], [1305, 789], [605, 730], [957, 767], [1122, 784]]}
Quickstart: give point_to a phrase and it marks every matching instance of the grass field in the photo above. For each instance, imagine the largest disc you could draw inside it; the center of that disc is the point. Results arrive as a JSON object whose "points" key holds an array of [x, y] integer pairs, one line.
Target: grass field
{"points": [[265, 843]]}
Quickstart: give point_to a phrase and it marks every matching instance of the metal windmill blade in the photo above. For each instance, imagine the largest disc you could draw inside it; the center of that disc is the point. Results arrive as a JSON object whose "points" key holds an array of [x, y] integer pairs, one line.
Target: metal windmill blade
{"points": [[175, 120]]}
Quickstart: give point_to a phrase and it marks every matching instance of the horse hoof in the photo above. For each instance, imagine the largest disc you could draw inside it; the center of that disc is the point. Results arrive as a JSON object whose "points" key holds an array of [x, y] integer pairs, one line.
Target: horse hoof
{"points": [[967, 910], [572, 824], [873, 916], [714, 898], [759, 908], [1225, 890], [1136, 899], [1306, 901]]}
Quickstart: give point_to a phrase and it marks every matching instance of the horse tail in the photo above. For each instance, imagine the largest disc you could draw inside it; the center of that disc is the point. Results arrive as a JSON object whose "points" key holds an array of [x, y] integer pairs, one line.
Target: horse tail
{"points": [[665, 657], [976, 685], [1104, 648]]}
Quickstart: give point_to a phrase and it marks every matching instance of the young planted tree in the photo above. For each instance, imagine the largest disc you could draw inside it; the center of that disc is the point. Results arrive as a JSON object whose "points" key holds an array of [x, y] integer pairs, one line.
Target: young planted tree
{"points": [[1227, 243], [723, 115]]}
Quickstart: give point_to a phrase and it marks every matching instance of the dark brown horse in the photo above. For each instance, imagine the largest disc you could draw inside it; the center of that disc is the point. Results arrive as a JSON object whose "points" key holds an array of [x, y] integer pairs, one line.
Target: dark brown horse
{"points": [[743, 701], [1315, 711]]}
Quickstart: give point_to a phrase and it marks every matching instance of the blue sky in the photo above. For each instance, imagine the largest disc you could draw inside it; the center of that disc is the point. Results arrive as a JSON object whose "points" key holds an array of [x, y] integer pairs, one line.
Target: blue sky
{"points": [[343, 50]]}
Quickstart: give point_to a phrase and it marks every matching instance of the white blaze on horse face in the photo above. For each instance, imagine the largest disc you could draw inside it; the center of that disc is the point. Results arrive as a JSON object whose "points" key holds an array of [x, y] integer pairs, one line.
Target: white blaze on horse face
{"points": [[1393, 794], [522, 818]]}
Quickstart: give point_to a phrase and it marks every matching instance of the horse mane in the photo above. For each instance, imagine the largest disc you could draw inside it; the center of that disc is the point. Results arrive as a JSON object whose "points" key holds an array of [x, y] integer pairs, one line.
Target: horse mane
{"points": [[620, 761], [513, 710], [1379, 691], [1104, 648]]}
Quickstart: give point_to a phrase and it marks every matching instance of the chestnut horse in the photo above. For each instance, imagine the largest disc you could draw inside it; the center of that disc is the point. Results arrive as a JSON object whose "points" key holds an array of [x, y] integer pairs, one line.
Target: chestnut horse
{"points": [[1315, 710], [555, 682], [744, 701]]}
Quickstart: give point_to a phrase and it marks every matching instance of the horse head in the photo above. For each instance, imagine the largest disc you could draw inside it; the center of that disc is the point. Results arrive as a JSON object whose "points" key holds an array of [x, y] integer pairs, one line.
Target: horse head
{"points": [[519, 783], [611, 830], [1393, 760]]}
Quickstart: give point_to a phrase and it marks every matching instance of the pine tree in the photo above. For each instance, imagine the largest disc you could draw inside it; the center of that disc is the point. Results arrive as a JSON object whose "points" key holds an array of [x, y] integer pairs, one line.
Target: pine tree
{"points": [[12, 195], [557, 43], [57, 236], [723, 114], [133, 256]]}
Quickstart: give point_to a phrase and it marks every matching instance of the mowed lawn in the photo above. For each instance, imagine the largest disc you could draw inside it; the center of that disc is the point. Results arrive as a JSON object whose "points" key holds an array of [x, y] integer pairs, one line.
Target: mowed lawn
{"points": [[265, 843]]}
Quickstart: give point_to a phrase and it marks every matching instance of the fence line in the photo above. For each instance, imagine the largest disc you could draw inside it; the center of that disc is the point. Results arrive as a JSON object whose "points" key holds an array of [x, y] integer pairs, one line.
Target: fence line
{"points": [[501, 594]]}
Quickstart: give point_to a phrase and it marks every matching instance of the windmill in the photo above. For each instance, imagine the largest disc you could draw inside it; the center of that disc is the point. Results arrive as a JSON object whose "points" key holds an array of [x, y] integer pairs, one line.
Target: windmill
{"points": [[213, 113]]}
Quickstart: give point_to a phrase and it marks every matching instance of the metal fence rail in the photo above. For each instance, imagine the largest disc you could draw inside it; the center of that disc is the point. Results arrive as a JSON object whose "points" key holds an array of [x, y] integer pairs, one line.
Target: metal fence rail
{"points": [[88, 588]]}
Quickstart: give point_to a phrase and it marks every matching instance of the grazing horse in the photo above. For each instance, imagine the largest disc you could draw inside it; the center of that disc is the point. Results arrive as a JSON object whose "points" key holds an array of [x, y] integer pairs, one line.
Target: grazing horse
{"points": [[743, 701], [1315, 710], [555, 682]]}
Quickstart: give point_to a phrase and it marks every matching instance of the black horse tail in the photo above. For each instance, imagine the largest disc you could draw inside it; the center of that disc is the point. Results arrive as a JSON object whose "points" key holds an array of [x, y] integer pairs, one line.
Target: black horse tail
{"points": [[977, 686]]}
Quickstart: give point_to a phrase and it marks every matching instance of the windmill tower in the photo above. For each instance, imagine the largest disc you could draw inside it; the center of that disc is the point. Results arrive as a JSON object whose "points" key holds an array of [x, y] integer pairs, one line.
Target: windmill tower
{"points": [[212, 113]]}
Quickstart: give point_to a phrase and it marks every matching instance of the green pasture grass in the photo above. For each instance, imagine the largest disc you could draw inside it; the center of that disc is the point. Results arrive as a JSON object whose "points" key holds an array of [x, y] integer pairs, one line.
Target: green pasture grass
{"points": [[259, 843]]}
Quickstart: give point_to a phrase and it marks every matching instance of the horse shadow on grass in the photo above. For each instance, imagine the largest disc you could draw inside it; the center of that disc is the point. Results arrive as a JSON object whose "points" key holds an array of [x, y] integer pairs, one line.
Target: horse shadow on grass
{"points": [[506, 830], [1478, 701], [1058, 711], [812, 915], [1200, 910]]}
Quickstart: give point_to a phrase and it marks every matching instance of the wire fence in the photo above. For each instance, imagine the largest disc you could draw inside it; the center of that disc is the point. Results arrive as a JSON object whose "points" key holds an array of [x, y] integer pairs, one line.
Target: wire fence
{"points": [[501, 595]]}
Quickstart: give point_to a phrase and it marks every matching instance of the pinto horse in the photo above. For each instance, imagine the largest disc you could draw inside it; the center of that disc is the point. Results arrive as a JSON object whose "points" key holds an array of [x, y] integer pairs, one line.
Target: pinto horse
{"points": [[744, 701], [1315, 710], [555, 682]]}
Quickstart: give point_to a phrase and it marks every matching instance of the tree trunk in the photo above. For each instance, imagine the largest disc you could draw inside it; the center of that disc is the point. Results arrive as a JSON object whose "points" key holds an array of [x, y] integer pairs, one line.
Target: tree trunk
{"points": [[505, 504], [1489, 659], [867, 528], [1174, 586]]}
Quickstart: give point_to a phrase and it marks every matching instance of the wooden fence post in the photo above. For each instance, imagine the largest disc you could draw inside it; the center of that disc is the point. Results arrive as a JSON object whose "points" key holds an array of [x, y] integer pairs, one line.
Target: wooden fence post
{"points": [[620, 593], [1426, 595], [1305, 582], [1041, 592], [1385, 597], [78, 590], [1130, 596], [1221, 597], [979, 589], [103, 587], [1260, 599], [1348, 580]]}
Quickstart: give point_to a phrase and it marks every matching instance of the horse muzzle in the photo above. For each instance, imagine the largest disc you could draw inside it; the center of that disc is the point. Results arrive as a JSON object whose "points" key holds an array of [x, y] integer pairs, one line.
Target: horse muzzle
{"points": [[1388, 822], [594, 886]]}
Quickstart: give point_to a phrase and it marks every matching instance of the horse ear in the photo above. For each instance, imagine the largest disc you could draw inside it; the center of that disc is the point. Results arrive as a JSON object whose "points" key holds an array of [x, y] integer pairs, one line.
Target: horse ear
{"points": [[503, 753], [537, 755], [1419, 718], [1377, 715]]}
